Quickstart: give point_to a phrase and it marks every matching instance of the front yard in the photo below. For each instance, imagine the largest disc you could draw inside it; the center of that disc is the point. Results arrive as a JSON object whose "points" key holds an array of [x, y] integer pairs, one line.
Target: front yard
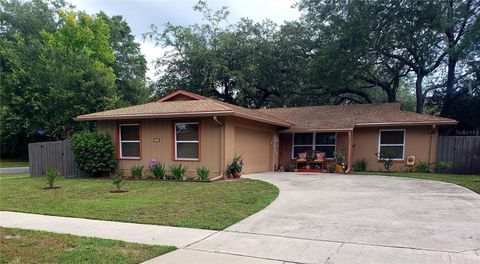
{"points": [[215, 205], [27, 246], [471, 182]]}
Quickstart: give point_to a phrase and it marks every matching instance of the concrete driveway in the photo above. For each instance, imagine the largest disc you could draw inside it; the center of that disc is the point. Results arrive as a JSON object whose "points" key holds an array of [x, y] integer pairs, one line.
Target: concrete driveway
{"points": [[328, 218]]}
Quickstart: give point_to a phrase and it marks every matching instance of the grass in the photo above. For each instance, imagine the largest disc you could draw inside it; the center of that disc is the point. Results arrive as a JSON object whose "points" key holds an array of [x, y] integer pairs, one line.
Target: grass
{"points": [[215, 205], [13, 175], [13, 163], [28, 246], [471, 182]]}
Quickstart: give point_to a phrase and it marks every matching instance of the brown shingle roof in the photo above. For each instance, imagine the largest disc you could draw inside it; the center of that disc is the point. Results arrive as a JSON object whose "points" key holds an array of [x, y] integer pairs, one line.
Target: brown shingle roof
{"points": [[345, 117], [188, 108], [327, 118]]}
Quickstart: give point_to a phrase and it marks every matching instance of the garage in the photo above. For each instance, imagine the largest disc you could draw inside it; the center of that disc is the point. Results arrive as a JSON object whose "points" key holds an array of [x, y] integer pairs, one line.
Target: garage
{"points": [[255, 146]]}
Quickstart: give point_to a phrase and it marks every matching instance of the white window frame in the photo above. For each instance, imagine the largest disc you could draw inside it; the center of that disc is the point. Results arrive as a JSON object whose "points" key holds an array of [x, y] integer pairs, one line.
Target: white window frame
{"points": [[314, 143], [391, 145], [129, 141], [186, 141]]}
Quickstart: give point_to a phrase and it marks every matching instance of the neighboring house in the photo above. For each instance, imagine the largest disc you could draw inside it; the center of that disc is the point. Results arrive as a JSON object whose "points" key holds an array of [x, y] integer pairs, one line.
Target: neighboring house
{"points": [[188, 128]]}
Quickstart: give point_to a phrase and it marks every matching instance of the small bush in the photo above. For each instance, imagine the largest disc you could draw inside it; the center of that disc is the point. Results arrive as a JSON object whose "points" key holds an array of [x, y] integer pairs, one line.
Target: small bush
{"points": [[443, 166], [137, 171], [360, 165], [158, 170], [94, 152], [288, 167], [422, 167], [117, 179], [179, 171], [51, 174], [203, 173], [387, 158]]}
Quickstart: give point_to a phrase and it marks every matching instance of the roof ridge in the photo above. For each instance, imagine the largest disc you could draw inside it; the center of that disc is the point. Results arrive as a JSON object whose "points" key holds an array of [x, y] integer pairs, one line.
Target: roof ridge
{"points": [[332, 106]]}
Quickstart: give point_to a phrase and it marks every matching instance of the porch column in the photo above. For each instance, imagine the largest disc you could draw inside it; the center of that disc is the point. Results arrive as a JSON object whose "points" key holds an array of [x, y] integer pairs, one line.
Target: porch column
{"points": [[350, 151]]}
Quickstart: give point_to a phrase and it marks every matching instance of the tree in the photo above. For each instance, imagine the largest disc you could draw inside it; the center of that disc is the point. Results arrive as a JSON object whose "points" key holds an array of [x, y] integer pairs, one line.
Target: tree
{"points": [[129, 65], [47, 81], [379, 39], [246, 63]]}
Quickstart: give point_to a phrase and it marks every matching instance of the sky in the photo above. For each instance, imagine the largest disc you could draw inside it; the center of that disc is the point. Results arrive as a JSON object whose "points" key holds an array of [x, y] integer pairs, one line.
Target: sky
{"points": [[141, 14]]}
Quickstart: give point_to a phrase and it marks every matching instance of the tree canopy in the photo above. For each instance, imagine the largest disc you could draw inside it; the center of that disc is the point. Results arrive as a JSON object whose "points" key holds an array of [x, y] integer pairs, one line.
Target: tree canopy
{"points": [[57, 63]]}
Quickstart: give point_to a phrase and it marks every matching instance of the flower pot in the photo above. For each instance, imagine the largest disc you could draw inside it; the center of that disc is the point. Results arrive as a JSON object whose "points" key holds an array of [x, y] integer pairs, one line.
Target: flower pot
{"points": [[236, 175], [339, 168]]}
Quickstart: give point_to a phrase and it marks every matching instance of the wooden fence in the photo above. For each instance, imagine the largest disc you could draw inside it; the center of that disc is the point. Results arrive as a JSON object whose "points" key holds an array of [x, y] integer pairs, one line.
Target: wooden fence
{"points": [[463, 152], [54, 154]]}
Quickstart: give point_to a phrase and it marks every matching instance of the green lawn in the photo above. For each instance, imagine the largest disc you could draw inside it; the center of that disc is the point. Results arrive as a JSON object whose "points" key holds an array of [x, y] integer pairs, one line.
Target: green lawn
{"points": [[27, 246], [471, 182], [215, 205], [13, 163], [13, 175]]}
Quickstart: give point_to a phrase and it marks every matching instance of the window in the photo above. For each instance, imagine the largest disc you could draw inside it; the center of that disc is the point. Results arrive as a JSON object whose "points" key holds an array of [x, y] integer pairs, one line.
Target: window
{"points": [[392, 141], [187, 141], [129, 135], [324, 142]]}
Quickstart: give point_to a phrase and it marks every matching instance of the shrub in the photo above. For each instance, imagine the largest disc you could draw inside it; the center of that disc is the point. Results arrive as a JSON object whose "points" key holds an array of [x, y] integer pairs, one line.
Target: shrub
{"points": [[117, 179], [422, 167], [236, 165], [94, 152], [340, 157], [360, 165], [51, 174], [288, 167], [203, 173], [137, 171], [387, 158], [179, 171], [443, 166], [157, 169]]}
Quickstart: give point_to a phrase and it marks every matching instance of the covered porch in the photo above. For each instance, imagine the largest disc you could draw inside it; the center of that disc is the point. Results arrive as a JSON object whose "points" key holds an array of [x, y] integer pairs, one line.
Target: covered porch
{"points": [[319, 146]]}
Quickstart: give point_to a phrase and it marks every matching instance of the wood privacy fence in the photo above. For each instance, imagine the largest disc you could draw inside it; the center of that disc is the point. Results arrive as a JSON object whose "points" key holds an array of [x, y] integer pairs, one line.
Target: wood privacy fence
{"points": [[54, 154], [464, 152]]}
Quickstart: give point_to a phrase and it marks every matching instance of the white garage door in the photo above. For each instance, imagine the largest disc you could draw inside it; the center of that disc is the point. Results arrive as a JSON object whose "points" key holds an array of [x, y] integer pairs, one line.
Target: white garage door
{"points": [[255, 148]]}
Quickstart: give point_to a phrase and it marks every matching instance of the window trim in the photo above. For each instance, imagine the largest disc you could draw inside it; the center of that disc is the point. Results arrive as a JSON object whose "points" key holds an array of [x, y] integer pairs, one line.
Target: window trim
{"points": [[120, 141], [392, 145], [314, 143], [175, 141]]}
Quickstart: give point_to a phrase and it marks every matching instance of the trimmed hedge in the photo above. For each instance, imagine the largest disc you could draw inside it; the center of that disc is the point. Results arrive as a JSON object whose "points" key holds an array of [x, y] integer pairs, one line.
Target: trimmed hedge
{"points": [[94, 152]]}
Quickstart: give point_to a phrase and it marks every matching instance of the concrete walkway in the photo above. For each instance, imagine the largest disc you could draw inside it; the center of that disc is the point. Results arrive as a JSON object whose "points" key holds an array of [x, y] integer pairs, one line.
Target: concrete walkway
{"points": [[137, 233], [14, 170]]}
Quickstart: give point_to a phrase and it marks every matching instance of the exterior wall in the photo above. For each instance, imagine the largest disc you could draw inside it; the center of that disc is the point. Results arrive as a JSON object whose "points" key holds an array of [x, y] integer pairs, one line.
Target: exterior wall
{"points": [[420, 141], [233, 123], [162, 151]]}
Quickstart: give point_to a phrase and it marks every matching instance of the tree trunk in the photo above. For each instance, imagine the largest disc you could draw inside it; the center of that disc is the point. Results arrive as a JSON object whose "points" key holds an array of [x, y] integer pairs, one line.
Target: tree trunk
{"points": [[419, 92], [449, 91]]}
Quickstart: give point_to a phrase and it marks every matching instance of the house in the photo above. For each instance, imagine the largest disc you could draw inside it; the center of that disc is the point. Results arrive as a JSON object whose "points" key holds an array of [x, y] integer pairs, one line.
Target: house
{"points": [[197, 131]]}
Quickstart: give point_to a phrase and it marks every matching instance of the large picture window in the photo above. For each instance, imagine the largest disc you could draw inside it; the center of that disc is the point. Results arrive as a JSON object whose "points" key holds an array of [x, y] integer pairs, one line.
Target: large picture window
{"points": [[392, 141], [129, 135], [187, 144], [324, 142]]}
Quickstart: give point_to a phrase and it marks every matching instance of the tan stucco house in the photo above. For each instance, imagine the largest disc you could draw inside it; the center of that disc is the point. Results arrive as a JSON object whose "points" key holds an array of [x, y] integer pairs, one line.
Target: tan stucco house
{"points": [[188, 128]]}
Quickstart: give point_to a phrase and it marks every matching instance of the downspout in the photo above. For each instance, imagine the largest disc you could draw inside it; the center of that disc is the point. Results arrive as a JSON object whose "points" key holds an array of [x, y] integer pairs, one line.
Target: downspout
{"points": [[222, 147], [430, 146], [350, 151]]}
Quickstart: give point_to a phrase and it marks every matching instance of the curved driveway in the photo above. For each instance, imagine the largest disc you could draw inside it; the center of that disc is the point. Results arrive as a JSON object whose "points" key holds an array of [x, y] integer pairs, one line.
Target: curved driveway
{"points": [[331, 218]]}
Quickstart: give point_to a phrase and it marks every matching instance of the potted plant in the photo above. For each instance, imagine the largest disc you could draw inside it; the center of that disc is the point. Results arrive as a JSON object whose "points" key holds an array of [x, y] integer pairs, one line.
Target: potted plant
{"points": [[340, 158], [235, 168]]}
